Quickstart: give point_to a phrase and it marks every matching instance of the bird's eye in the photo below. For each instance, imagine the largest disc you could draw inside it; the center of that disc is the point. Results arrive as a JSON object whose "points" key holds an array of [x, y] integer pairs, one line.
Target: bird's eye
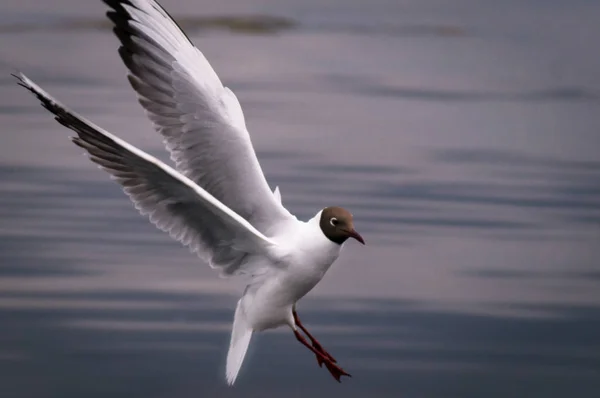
{"points": [[333, 221]]}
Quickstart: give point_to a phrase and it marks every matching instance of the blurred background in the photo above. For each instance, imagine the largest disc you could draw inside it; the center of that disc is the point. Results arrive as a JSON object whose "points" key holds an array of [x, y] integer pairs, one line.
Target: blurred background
{"points": [[464, 136]]}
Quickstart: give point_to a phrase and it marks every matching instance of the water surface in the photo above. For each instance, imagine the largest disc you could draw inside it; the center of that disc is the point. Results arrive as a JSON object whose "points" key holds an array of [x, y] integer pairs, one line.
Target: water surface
{"points": [[464, 136]]}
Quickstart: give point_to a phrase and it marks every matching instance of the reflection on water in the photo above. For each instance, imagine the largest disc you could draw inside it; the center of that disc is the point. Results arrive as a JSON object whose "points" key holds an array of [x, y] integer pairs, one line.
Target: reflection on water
{"points": [[467, 151]]}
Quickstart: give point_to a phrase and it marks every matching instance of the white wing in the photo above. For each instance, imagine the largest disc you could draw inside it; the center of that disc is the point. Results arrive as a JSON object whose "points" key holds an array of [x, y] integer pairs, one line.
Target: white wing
{"points": [[173, 202], [201, 121]]}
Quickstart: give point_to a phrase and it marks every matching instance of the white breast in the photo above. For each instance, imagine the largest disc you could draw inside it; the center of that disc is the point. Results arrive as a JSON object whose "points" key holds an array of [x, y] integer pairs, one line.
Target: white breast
{"points": [[304, 254], [309, 255]]}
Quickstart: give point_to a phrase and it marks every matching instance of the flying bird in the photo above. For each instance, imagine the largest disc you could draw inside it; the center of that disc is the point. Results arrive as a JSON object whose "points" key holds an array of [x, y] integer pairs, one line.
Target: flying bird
{"points": [[216, 200]]}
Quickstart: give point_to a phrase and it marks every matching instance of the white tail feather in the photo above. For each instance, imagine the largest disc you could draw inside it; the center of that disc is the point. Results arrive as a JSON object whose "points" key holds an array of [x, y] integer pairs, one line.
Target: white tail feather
{"points": [[240, 339]]}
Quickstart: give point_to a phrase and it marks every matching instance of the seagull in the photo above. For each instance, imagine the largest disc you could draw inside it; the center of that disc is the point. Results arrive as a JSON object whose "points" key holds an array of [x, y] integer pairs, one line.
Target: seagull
{"points": [[216, 200]]}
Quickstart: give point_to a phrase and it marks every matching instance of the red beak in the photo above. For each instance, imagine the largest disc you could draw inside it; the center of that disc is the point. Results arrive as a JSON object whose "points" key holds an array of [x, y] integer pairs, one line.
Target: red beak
{"points": [[356, 235]]}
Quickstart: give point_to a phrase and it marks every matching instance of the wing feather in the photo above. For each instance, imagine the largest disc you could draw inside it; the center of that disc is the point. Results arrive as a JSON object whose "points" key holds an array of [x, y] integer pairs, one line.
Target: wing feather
{"points": [[173, 202], [200, 120]]}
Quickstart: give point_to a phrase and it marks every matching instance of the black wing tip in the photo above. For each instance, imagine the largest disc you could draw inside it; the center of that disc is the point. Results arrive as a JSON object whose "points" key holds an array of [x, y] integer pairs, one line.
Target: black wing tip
{"points": [[99, 148], [121, 17], [78, 141], [117, 17], [21, 80], [117, 4], [117, 10], [46, 101], [62, 115]]}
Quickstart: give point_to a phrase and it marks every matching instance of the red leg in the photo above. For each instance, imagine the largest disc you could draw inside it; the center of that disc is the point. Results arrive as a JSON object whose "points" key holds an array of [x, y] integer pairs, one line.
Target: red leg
{"points": [[314, 341], [334, 369]]}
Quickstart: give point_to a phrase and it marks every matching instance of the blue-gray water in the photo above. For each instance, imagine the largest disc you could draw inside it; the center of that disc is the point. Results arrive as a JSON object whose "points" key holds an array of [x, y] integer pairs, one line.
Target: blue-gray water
{"points": [[463, 135]]}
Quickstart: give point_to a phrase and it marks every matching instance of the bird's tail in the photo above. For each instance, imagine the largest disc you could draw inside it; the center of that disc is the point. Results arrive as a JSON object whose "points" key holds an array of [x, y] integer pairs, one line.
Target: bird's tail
{"points": [[240, 339]]}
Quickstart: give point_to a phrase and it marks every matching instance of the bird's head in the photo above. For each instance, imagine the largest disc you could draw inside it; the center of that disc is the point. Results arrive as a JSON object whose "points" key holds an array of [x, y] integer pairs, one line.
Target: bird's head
{"points": [[336, 223]]}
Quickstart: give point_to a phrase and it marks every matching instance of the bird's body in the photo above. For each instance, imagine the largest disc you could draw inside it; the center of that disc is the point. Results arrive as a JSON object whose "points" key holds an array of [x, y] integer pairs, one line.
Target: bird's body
{"points": [[216, 200], [303, 256]]}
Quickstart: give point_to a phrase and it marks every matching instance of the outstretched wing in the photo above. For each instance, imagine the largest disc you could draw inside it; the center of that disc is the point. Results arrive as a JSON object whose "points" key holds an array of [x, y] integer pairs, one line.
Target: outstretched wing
{"points": [[201, 120], [173, 202]]}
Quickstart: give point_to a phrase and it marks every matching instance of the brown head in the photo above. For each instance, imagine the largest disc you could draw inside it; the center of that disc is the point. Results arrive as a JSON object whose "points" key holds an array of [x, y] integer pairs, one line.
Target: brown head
{"points": [[336, 224]]}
